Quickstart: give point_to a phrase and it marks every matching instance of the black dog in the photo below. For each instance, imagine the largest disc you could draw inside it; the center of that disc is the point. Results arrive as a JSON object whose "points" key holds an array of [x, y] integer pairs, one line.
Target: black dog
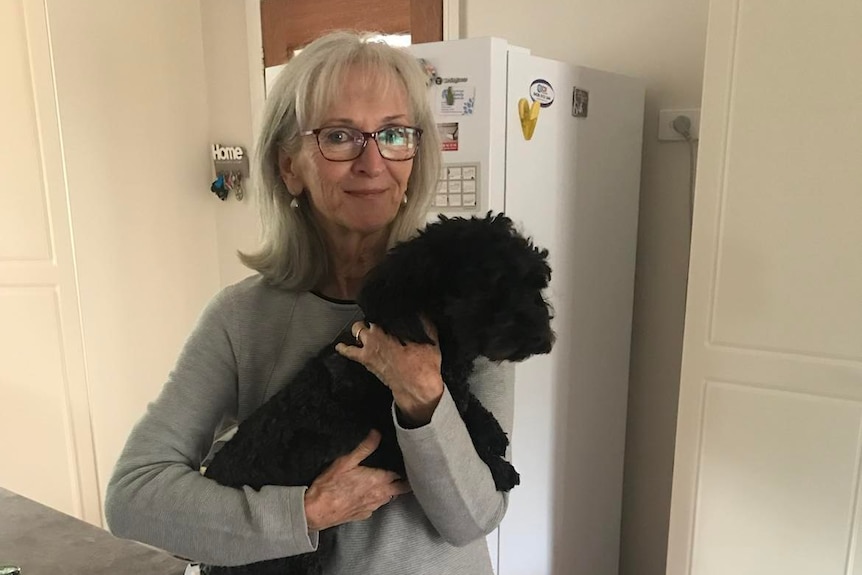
{"points": [[480, 283]]}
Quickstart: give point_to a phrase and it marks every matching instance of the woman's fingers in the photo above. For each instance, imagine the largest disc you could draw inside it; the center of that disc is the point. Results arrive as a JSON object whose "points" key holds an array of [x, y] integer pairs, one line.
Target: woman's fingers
{"points": [[430, 328], [358, 329], [401, 486], [368, 446], [347, 491], [411, 371]]}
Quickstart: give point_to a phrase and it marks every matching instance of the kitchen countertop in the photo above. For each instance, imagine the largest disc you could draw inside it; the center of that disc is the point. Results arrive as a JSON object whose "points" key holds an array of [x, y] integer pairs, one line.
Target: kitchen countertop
{"points": [[43, 541]]}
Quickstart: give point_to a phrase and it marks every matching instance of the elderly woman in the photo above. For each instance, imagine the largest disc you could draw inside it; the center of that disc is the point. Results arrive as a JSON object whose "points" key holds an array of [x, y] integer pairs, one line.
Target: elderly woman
{"points": [[347, 163]]}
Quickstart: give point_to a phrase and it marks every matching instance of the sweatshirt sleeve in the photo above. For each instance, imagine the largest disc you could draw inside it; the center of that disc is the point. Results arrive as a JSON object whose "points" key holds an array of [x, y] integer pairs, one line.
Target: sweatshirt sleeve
{"points": [[157, 494], [450, 481]]}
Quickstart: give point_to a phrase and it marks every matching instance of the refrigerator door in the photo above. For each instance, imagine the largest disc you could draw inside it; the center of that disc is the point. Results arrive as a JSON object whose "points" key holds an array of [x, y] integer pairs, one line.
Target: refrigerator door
{"points": [[468, 96], [539, 190], [574, 186]]}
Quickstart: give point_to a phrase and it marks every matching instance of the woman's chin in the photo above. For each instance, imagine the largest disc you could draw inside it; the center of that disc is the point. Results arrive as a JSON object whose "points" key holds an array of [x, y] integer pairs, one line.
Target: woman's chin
{"points": [[371, 220]]}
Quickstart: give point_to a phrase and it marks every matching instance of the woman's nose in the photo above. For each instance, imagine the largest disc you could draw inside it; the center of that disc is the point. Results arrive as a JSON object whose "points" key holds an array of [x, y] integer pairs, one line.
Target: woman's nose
{"points": [[370, 161]]}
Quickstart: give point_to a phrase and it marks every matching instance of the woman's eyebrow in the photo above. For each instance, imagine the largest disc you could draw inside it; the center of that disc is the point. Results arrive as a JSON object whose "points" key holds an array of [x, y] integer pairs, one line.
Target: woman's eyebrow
{"points": [[350, 122]]}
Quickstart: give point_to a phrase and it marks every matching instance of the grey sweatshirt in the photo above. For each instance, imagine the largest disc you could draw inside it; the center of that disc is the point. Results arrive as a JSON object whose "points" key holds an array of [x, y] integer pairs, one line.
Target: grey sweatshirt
{"points": [[249, 342]]}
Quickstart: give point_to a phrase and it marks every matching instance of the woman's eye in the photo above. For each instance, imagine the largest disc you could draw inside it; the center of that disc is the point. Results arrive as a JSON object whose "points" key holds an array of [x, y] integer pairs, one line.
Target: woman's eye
{"points": [[392, 136], [338, 137]]}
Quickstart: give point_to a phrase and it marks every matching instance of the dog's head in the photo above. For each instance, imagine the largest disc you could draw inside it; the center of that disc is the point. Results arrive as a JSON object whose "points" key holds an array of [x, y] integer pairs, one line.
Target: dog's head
{"points": [[478, 280]]}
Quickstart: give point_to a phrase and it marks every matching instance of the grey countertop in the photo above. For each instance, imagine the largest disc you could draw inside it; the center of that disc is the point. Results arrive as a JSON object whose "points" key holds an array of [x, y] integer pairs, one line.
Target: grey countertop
{"points": [[43, 541]]}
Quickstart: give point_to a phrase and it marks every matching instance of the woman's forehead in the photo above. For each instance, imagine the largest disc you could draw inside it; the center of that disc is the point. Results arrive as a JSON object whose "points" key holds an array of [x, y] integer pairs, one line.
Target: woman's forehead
{"points": [[359, 85]]}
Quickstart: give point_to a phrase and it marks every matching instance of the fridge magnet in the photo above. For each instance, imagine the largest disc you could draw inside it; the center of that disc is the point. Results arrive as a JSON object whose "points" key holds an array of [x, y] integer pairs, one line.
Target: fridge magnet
{"points": [[542, 92], [528, 112], [580, 102], [430, 72], [448, 136], [456, 100]]}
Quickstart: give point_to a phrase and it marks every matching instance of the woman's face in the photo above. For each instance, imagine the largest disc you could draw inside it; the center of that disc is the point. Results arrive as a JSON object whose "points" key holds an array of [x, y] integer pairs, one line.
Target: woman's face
{"points": [[360, 196]]}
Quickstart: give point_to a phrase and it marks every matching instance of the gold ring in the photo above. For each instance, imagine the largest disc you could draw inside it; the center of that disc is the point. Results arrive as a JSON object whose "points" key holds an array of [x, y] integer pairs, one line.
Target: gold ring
{"points": [[358, 333]]}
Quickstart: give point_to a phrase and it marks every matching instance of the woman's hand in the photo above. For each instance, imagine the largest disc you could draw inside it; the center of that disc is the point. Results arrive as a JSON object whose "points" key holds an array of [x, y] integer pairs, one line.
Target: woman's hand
{"points": [[411, 371], [347, 491]]}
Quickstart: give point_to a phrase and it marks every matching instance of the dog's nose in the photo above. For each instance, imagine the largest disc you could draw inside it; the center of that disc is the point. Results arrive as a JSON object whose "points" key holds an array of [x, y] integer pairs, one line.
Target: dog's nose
{"points": [[537, 345], [552, 339], [546, 344]]}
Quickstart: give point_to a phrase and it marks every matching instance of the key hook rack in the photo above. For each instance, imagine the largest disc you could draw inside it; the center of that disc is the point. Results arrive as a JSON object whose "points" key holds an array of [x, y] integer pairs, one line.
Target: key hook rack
{"points": [[231, 169]]}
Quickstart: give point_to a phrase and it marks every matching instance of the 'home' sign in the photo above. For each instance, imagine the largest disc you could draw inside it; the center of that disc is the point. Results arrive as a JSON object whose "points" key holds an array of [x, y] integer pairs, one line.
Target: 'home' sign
{"points": [[227, 159], [227, 152]]}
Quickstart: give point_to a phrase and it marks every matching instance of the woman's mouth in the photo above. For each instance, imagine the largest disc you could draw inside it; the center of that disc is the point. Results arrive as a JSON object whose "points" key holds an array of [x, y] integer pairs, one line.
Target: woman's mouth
{"points": [[365, 193]]}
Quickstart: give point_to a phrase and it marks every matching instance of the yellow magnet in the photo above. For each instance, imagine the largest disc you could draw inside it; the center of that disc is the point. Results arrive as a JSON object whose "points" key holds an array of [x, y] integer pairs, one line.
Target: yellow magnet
{"points": [[529, 114]]}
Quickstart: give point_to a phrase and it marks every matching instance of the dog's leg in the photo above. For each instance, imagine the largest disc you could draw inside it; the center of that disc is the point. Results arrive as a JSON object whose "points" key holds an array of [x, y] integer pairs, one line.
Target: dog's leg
{"points": [[490, 442]]}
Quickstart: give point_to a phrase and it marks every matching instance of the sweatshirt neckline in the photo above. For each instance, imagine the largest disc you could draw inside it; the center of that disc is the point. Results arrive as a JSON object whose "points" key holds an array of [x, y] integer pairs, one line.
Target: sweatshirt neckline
{"points": [[319, 295]]}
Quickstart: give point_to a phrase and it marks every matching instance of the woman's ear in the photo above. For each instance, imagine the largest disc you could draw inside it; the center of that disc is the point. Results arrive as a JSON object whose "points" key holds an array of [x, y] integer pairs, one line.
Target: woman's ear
{"points": [[288, 168]]}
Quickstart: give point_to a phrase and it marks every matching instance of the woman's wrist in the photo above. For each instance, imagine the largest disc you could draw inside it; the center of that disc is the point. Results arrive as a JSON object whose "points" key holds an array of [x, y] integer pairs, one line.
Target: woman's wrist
{"points": [[310, 501], [416, 405]]}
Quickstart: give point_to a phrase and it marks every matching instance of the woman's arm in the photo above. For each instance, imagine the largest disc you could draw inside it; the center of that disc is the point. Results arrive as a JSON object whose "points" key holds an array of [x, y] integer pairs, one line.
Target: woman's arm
{"points": [[157, 494], [451, 482]]}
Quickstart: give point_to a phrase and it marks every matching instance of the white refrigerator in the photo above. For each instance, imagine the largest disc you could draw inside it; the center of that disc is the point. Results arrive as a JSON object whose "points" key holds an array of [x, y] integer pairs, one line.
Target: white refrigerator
{"points": [[574, 187]]}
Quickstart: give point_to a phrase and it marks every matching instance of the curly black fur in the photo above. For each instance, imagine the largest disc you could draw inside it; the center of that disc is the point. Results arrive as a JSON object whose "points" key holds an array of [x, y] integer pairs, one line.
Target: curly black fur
{"points": [[480, 283]]}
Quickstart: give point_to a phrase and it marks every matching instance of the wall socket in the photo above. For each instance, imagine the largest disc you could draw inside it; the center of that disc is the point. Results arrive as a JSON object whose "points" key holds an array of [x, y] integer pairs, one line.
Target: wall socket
{"points": [[666, 133]]}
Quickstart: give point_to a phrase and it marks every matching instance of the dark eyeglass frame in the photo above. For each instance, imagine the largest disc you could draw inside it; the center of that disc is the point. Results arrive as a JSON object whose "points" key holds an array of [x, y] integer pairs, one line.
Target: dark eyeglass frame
{"points": [[365, 137]]}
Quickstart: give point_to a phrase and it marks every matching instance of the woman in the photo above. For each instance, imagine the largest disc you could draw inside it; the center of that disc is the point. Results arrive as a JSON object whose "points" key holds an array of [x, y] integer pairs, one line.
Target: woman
{"points": [[347, 163]]}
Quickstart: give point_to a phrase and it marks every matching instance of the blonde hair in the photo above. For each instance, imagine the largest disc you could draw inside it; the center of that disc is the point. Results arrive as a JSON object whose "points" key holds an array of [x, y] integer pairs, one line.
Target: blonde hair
{"points": [[292, 253]]}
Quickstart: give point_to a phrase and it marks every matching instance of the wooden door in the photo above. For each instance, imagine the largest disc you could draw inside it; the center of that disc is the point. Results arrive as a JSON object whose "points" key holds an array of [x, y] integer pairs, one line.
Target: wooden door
{"points": [[769, 436]]}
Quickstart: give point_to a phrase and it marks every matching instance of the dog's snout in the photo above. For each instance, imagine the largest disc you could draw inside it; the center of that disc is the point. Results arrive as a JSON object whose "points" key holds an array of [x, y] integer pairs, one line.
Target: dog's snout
{"points": [[548, 343], [522, 347], [543, 343]]}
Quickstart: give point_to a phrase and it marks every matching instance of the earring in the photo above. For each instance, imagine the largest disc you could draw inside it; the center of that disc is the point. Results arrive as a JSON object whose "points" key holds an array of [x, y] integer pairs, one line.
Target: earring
{"points": [[294, 203], [404, 200]]}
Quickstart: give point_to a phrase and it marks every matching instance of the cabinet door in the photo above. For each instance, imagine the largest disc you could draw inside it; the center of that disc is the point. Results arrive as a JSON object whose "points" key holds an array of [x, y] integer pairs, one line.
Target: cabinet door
{"points": [[46, 444], [290, 24], [767, 469]]}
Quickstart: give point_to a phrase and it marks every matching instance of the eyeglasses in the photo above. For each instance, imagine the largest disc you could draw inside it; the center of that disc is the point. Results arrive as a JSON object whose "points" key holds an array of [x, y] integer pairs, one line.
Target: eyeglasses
{"points": [[340, 144]]}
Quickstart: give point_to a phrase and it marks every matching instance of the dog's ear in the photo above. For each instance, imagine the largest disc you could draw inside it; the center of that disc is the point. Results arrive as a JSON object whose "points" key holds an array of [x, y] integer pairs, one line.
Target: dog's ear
{"points": [[470, 329], [408, 329], [388, 302], [541, 268]]}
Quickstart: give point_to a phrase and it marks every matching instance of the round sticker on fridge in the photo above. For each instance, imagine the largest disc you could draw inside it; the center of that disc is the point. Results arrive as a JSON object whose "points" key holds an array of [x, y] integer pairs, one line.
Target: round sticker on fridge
{"points": [[542, 92]]}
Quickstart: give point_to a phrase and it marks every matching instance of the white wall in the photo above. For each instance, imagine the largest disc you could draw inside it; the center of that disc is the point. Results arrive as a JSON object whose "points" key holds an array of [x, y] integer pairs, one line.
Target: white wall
{"points": [[133, 116], [230, 122], [661, 41]]}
